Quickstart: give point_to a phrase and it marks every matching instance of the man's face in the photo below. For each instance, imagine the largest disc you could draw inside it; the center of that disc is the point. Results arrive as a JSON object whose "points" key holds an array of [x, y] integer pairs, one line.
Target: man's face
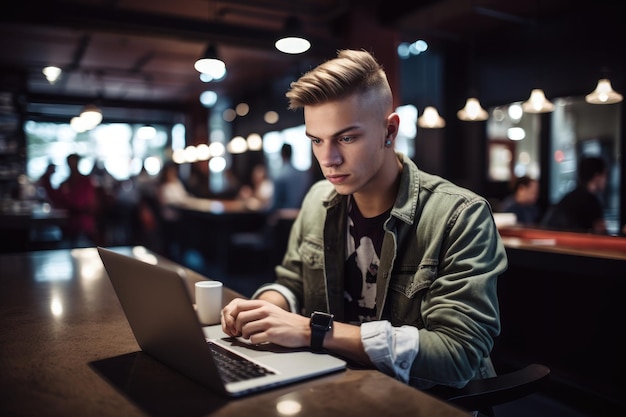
{"points": [[348, 139]]}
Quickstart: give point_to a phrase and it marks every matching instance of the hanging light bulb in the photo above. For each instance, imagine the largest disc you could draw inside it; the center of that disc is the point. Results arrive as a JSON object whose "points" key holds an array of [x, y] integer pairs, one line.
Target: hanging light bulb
{"points": [[78, 124], [210, 64], [91, 116], [430, 119], [537, 102], [52, 74], [473, 111], [237, 145], [604, 94], [292, 41]]}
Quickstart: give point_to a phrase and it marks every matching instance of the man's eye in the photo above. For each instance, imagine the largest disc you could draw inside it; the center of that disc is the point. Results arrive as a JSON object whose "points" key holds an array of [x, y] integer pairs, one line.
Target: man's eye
{"points": [[346, 139], [316, 141]]}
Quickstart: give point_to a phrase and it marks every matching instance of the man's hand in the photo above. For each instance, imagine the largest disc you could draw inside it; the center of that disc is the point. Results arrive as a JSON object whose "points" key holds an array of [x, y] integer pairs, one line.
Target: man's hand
{"points": [[261, 321]]}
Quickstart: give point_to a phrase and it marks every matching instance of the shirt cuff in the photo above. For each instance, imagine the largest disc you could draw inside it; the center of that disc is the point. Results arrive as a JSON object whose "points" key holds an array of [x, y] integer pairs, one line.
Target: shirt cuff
{"points": [[294, 306], [391, 349]]}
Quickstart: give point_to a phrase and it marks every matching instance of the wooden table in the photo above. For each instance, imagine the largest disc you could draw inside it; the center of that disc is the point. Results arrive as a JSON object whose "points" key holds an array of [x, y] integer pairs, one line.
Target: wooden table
{"points": [[66, 349]]}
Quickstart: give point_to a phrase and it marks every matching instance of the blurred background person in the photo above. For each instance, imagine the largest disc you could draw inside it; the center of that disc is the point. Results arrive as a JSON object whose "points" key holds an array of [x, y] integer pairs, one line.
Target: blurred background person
{"points": [[198, 182], [78, 195], [259, 194], [146, 224], [523, 201], [171, 193], [230, 186], [45, 191], [581, 209], [290, 184]]}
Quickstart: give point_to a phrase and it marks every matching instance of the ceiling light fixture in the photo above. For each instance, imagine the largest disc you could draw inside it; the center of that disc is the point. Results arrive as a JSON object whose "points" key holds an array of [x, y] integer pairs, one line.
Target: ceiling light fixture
{"points": [[292, 41], [237, 145], [254, 142], [91, 115], [210, 64], [473, 111], [430, 119], [78, 124], [604, 94], [271, 117], [537, 102], [208, 98], [52, 74]]}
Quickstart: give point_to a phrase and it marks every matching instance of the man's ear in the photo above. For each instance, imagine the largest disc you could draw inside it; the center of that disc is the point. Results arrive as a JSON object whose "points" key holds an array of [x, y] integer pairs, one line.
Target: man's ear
{"points": [[393, 125]]}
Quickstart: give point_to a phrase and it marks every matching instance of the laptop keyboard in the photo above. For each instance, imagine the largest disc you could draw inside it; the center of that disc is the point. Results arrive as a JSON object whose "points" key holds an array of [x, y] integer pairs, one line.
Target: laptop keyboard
{"points": [[235, 368]]}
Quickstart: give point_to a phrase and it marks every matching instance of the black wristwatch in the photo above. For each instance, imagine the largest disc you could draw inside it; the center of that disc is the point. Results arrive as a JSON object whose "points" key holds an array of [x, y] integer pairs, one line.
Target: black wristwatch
{"points": [[320, 324]]}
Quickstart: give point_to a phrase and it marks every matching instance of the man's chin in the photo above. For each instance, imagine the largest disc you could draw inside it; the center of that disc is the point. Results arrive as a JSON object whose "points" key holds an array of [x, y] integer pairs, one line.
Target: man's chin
{"points": [[343, 189]]}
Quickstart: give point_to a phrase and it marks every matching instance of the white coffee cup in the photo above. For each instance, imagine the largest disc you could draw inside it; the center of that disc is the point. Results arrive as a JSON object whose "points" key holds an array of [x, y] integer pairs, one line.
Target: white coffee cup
{"points": [[209, 301]]}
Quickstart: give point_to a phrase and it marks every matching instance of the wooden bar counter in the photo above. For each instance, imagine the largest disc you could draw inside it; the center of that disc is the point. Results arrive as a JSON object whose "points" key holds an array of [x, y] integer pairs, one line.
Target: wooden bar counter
{"points": [[562, 304], [66, 349]]}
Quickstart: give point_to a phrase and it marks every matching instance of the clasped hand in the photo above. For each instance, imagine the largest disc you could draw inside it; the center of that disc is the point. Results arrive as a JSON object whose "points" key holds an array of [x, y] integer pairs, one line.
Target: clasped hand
{"points": [[260, 322]]}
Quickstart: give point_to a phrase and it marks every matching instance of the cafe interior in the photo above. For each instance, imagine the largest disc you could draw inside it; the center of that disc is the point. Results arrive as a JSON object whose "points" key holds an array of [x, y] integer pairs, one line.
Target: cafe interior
{"points": [[487, 91]]}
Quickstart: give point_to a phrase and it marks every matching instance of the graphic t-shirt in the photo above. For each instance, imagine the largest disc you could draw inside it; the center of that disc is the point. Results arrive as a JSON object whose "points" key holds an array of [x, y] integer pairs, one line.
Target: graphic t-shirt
{"points": [[364, 242]]}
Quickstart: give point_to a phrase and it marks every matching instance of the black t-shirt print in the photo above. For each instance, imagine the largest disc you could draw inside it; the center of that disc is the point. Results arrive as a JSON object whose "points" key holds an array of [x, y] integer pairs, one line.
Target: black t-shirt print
{"points": [[364, 242]]}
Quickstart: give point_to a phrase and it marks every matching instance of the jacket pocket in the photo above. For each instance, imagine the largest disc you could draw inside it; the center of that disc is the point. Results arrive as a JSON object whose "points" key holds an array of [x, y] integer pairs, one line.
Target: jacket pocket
{"points": [[408, 287], [312, 253], [409, 281], [314, 282]]}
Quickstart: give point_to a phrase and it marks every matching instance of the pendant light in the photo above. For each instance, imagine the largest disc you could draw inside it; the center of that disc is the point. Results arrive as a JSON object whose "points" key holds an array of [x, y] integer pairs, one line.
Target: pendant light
{"points": [[91, 116], [537, 102], [292, 40], [52, 73], [430, 119], [604, 94], [473, 111], [210, 64]]}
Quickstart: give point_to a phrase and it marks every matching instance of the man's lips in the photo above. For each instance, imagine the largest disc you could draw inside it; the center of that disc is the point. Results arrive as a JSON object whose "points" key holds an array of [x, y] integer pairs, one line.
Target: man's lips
{"points": [[336, 178]]}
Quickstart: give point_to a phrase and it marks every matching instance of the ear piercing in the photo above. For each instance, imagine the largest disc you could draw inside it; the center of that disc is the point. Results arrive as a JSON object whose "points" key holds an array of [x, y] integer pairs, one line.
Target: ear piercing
{"points": [[387, 143]]}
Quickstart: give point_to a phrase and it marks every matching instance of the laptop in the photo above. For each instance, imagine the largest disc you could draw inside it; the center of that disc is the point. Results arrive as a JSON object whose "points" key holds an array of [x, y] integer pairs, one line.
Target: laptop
{"points": [[159, 309]]}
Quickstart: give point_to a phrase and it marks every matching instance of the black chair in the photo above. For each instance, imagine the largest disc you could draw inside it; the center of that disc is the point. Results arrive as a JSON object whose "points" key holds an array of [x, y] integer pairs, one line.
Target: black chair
{"points": [[264, 247], [482, 395]]}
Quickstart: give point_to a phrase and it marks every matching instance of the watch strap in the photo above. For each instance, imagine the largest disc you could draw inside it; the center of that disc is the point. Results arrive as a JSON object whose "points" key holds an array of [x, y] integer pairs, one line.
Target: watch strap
{"points": [[317, 338], [320, 324]]}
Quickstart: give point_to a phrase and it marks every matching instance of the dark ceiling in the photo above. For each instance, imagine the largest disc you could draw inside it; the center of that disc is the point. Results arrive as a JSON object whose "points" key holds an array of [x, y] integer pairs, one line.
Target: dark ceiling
{"points": [[136, 56]]}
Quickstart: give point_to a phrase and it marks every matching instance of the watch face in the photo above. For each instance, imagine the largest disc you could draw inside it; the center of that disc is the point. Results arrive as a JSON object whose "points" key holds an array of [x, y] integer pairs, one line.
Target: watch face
{"points": [[321, 319]]}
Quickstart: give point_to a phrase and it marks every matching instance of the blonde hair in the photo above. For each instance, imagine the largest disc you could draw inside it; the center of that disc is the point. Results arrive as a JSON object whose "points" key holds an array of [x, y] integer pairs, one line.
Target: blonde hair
{"points": [[352, 72]]}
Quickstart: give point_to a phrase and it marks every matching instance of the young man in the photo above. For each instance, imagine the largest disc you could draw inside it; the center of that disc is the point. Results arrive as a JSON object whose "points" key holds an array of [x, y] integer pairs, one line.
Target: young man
{"points": [[405, 261], [581, 209], [523, 201]]}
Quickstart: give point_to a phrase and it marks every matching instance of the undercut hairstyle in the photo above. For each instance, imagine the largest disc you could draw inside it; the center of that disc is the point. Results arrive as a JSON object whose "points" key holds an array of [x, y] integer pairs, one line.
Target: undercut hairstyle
{"points": [[352, 72]]}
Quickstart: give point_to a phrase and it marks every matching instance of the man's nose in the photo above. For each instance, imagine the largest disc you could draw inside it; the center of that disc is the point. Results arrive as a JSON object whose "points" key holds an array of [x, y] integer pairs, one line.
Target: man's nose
{"points": [[328, 155]]}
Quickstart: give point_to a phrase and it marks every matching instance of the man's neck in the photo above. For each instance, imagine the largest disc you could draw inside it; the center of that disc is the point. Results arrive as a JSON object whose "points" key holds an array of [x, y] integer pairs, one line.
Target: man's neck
{"points": [[381, 196]]}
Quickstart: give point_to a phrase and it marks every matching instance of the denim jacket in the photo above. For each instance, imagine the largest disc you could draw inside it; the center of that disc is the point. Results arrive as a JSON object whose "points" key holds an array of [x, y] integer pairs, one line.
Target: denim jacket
{"points": [[439, 263]]}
